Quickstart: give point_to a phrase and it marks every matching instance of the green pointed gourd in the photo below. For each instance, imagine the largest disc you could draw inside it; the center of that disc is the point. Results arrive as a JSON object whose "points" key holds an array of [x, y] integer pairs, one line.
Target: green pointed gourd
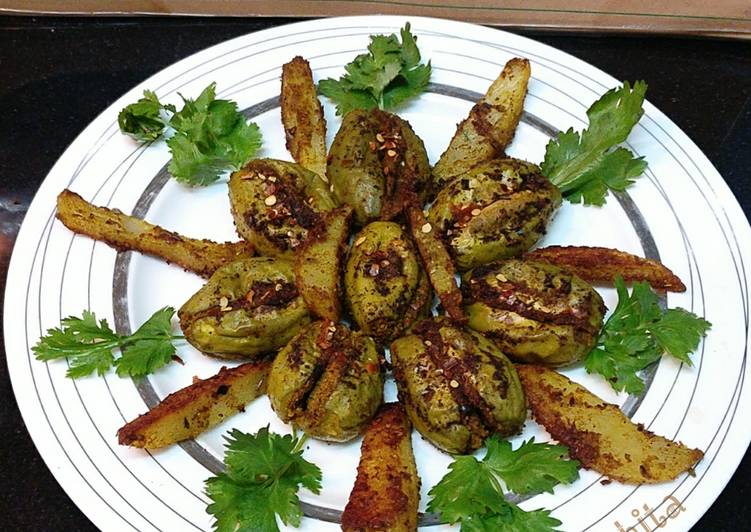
{"points": [[248, 308]]}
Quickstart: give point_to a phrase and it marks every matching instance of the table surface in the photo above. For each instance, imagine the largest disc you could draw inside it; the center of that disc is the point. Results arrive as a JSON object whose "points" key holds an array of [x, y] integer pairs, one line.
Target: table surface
{"points": [[58, 74]]}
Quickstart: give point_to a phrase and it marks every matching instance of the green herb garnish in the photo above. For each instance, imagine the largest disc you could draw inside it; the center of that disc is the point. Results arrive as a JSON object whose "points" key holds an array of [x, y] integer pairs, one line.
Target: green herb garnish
{"points": [[146, 119], [585, 167], [471, 493], [210, 135], [89, 345], [264, 472], [388, 75], [638, 333]]}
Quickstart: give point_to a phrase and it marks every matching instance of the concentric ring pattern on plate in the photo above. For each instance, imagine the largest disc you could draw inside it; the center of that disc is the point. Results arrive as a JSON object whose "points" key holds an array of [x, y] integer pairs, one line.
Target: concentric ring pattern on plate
{"points": [[697, 227]]}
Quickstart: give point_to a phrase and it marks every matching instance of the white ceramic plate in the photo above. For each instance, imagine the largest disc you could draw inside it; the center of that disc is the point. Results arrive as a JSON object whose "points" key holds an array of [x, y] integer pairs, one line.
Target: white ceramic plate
{"points": [[697, 229]]}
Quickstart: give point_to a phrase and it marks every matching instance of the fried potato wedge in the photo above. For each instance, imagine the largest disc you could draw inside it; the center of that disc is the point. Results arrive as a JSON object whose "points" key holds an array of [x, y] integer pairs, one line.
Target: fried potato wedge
{"points": [[387, 488], [124, 232], [438, 264], [188, 412], [598, 434], [318, 264], [490, 126], [603, 265], [302, 117]]}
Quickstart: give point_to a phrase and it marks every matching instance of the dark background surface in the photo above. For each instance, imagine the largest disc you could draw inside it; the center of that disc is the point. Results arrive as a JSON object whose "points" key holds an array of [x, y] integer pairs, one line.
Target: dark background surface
{"points": [[56, 75]]}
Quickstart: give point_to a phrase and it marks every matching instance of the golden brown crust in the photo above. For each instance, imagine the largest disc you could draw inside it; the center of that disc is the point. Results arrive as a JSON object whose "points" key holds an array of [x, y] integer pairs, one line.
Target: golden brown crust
{"points": [[603, 265], [438, 264], [318, 264], [598, 434], [490, 126], [302, 117], [387, 488], [124, 232], [191, 410]]}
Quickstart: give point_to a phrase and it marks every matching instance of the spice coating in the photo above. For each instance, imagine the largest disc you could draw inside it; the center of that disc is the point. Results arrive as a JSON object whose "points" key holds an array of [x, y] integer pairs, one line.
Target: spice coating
{"points": [[457, 387], [327, 381], [534, 312], [275, 203], [497, 210], [246, 309], [385, 286]]}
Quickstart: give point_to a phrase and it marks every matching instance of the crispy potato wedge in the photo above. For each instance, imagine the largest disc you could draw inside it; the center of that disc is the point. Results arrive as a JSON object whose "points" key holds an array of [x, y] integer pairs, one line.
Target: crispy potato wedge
{"points": [[318, 264], [387, 488], [438, 264], [302, 117], [490, 126], [598, 434], [188, 412], [124, 232], [603, 265]]}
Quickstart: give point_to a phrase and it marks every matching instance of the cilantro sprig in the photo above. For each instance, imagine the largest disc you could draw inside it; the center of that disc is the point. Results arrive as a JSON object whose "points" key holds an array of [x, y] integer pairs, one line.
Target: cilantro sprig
{"points": [[89, 345], [471, 492], [264, 472], [209, 135], [145, 119], [638, 333], [388, 75], [586, 166]]}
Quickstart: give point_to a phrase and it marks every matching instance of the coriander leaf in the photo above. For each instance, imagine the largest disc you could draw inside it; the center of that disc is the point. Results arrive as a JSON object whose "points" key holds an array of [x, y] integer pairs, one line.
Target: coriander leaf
{"points": [[346, 96], [533, 467], [241, 143], [638, 333], [592, 193], [512, 519], [410, 84], [375, 70], [98, 360], [264, 472], [678, 332], [615, 171], [159, 324], [470, 493], [238, 503], [88, 345], [388, 75], [586, 166], [469, 488], [530, 521], [613, 116], [86, 328], [193, 112], [143, 119], [264, 453], [144, 357], [620, 368], [409, 51], [150, 347], [190, 165], [210, 137]]}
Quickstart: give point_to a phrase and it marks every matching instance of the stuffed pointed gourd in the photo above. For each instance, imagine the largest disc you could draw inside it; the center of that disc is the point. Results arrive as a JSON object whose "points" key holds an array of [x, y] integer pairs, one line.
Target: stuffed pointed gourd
{"points": [[458, 388], [327, 381], [497, 210], [385, 286], [247, 308], [275, 204], [534, 312], [375, 159]]}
